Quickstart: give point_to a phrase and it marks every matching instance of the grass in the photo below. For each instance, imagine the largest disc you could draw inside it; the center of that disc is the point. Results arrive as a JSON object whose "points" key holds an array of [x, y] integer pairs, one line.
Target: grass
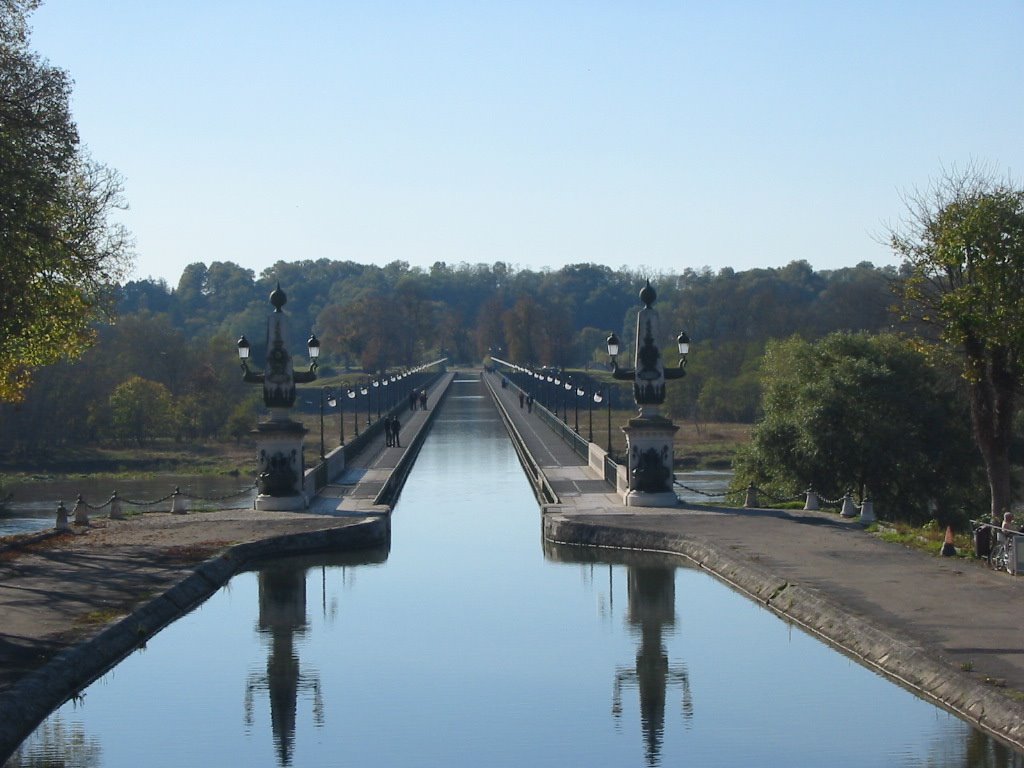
{"points": [[195, 553], [709, 446], [162, 457], [698, 445], [101, 617], [927, 538]]}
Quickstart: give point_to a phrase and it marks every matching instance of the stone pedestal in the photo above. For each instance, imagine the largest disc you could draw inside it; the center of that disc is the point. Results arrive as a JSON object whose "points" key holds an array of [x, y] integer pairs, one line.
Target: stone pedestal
{"points": [[650, 442], [281, 466]]}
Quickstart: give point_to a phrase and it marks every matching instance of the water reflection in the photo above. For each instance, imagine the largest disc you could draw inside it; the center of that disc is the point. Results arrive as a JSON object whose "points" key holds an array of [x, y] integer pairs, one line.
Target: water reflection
{"points": [[58, 744], [659, 681], [282, 599], [281, 627], [651, 617], [282, 622], [651, 612]]}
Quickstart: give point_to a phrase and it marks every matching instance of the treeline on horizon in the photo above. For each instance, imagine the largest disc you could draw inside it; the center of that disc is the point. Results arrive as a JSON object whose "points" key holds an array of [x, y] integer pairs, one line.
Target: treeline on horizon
{"points": [[371, 318]]}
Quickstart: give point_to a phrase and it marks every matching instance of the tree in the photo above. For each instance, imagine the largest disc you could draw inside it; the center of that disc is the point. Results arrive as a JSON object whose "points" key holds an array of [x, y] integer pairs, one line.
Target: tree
{"points": [[864, 413], [963, 251], [59, 254], [141, 410]]}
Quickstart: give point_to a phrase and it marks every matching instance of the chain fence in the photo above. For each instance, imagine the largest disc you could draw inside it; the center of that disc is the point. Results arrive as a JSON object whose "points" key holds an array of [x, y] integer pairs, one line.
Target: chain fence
{"points": [[175, 502], [176, 493]]}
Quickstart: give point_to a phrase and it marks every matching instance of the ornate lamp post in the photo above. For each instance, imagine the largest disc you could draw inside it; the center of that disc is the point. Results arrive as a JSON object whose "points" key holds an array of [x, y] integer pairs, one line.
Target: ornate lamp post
{"points": [[355, 411], [608, 407], [338, 401], [579, 393], [565, 401], [649, 435], [591, 401], [322, 392], [279, 438]]}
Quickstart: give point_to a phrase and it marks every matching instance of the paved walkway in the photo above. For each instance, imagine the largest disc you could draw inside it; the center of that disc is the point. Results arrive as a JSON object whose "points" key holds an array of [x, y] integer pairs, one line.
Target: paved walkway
{"points": [[890, 606], [358, 489]]}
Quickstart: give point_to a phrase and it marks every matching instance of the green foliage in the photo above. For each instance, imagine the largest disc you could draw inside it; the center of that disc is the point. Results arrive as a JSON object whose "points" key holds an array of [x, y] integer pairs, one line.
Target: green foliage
{"points": [[863, 413], [371, 317], [243, 417], [60, 254], [141, 410], [963, 248]]}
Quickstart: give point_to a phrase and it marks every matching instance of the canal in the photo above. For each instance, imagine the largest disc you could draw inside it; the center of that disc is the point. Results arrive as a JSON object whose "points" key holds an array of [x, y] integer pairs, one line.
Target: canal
{"points": [[472, 643]]}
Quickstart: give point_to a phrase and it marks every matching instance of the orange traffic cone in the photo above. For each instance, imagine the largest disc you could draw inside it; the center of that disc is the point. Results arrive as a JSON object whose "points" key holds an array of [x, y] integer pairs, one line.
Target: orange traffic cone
{"points": [[948, 550]]}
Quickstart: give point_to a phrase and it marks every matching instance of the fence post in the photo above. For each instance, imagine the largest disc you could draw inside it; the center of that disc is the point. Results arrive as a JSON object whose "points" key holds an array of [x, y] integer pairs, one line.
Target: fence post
{"points": [[62, 518], [177, 503], [849, 509], [867, 511], [812, 500], [751, 500], [81, 512], [116, 513]]}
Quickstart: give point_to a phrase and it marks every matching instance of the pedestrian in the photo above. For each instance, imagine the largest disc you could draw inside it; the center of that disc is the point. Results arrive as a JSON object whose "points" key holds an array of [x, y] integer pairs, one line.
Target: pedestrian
{"points": [[522, 398], [412, 400], [529, 404], [396, 426], [388, 438], [423, 399]]}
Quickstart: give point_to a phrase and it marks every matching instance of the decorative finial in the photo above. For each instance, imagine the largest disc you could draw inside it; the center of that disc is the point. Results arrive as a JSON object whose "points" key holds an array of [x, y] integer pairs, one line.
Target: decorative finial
{"points": [[647, 294], [278, 298]]}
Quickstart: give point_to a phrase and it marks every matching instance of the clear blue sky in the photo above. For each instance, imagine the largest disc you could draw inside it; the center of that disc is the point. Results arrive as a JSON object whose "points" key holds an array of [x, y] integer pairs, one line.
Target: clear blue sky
{"points": [[656, 135]]}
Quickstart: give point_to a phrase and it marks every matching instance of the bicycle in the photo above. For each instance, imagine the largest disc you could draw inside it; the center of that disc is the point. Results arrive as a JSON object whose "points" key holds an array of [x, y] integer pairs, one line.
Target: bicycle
{"points": [[992, 544], [999, 554]]}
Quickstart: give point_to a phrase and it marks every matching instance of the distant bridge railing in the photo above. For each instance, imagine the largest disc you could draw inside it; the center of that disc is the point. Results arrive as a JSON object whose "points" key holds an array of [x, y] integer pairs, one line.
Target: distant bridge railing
{"points": [[334, 462]]}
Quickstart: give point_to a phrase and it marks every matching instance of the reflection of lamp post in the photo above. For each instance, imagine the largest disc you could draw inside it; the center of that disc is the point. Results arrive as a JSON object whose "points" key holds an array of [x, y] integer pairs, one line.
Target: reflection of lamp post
{"points": [[282, 625], [281, 467], [652, 614], [649, 435]]}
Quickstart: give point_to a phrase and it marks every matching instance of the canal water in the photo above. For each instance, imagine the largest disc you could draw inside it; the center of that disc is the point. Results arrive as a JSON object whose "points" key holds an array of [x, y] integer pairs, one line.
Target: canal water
{"points": [[471, 643]]}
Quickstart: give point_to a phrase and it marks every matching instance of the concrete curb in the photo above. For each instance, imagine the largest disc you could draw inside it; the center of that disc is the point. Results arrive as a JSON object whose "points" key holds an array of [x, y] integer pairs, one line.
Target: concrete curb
{"points": [[30, 701], [921, 670]]}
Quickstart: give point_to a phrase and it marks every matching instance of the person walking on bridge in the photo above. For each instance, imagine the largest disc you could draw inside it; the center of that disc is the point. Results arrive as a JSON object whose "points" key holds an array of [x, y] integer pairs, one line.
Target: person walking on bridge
{"points": [[389, 437], [396, 426]]}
